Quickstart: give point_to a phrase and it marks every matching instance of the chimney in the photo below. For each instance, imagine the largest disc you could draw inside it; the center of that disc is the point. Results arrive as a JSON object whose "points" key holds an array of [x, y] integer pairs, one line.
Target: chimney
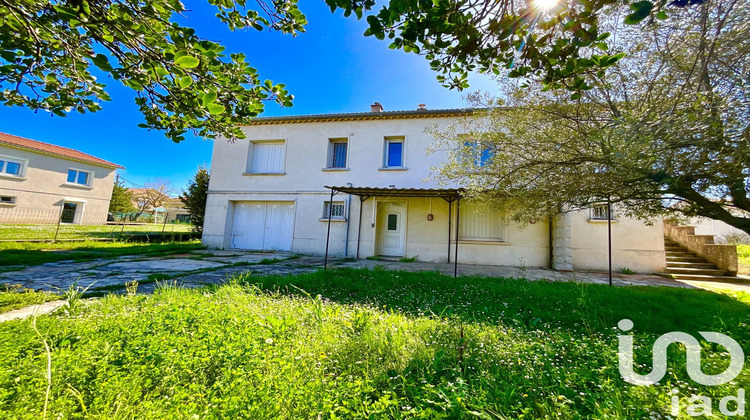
{"points": [[421, 107], [376, 107]]}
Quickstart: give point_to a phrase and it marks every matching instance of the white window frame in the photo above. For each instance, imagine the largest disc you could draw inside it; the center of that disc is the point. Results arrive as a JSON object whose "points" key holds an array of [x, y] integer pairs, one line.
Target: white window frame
{"points": [[386, 147], [89, 179], [501, 227], [250, 168], [20, 161], [330, 157], [335, 204], [80, 208]]}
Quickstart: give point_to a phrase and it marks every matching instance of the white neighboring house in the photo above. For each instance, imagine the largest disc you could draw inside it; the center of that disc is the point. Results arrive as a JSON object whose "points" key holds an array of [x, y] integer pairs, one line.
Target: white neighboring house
{"points": [[45, 183], [268, 192]]}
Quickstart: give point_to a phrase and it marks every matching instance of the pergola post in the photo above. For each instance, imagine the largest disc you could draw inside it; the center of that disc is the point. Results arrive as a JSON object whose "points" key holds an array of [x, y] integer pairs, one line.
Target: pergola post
{"points": [[328, 235]]}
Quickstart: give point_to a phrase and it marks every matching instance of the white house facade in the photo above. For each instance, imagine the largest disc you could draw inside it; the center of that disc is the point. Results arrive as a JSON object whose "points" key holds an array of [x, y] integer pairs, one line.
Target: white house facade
{"points": [[271, 191]]}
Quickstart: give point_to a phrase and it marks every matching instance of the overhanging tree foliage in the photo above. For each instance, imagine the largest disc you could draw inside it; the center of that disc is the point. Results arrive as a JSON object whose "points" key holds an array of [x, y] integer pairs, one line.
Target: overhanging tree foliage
{"points": [[182, 82], [195, 197], [560, 43], [667, 130]]}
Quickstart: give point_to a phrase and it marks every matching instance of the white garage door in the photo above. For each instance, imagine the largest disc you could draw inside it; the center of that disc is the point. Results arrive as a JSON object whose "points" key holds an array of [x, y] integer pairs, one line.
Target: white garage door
{"points": [[263, 225]]}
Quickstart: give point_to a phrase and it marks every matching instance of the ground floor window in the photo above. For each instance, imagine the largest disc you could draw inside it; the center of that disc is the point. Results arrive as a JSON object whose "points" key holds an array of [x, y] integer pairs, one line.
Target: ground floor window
{"points": [[336, 209], [480, 223], [70, 212]]}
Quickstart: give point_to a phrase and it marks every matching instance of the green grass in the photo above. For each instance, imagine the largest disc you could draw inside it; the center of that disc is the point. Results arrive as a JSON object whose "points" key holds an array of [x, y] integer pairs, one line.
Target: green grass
{"points": [[13, 296], [360, 344], [743, 257], [33, 253], [83, 232]]}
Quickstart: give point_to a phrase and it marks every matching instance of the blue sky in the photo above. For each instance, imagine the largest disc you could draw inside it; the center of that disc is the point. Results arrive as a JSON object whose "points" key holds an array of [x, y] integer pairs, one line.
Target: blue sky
{"points": [[331, 67]]}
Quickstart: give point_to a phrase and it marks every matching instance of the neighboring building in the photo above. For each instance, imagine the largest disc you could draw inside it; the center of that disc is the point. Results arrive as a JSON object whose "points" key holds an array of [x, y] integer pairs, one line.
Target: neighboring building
{"points": [[175, 211], [268, 192], [170, 207], [44, 183]]}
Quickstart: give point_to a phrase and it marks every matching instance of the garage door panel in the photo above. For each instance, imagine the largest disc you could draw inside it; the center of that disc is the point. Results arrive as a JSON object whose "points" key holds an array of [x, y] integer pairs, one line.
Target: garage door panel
{"points": [[263, 225]]}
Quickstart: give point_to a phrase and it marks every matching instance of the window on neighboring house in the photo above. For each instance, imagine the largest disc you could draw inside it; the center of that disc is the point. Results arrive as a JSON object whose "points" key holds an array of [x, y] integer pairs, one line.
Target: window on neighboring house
{"points": [[600, 212], [478, 154], [337, 210], [480, 223], [267, 157], [394, 152], [79, 177], [337, 153], [6, 199], [11, 166]]}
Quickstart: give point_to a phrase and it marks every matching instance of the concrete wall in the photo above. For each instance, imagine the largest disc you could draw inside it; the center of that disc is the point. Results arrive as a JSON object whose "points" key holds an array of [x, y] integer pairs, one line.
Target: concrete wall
{"points": [[636, 245], [716, 228], [43, 187]]}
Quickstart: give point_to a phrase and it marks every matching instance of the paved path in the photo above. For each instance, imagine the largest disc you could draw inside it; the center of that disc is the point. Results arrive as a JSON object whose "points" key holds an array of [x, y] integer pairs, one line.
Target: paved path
{"points": [[203, 267], [28, 311]]}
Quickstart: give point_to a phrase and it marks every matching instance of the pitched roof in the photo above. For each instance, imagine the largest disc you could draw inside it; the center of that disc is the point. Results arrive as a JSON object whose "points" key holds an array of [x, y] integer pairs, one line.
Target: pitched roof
{"points": [[53, 150], [385, 115]]}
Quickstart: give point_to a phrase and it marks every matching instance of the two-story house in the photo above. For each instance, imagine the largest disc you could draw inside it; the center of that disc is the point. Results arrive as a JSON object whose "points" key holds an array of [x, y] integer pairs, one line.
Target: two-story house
{"points": [[45, 183], [272, 191]]}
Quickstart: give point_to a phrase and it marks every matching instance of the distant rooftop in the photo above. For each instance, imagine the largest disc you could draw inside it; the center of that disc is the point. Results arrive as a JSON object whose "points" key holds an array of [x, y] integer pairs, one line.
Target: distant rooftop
{"points": [[376, 113], [52, 150]]}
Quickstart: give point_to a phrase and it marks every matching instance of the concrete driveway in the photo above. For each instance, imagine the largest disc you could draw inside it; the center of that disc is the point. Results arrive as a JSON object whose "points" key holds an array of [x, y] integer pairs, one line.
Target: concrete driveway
{"points": [[203, 267]]}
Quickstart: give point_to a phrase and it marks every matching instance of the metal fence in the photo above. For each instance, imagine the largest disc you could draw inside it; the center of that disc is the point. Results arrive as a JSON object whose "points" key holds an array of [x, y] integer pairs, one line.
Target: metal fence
{"points": [[27, 224]]}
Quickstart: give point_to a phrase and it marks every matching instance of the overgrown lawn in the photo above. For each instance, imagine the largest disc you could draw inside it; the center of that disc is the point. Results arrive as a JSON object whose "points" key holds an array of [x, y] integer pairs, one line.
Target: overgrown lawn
{"points": [[362, 344], [10, 231]]}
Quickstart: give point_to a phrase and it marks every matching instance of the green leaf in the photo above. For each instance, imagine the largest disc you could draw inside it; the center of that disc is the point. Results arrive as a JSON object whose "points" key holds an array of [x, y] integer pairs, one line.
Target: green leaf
{"points": [[215, 108], [185, 82], [641, 10], [187, 62], [208, 98], [101, 61]]}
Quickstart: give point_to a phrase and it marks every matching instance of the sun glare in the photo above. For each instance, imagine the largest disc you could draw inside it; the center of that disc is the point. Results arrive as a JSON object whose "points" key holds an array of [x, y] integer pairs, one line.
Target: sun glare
{"points": [[545, 4]]}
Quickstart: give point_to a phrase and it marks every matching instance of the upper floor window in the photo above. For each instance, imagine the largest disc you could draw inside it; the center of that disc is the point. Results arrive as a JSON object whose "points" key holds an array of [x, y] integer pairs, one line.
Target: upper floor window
{"points": [[267, 157], [337, 149], [11, 166], [394, 152], [480, 223], [600, 212], [477, 153], [77, 176]]}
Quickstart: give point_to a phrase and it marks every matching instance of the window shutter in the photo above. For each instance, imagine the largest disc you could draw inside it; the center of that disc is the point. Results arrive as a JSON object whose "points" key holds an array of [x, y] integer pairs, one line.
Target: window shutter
{"points": [[268, 158]]}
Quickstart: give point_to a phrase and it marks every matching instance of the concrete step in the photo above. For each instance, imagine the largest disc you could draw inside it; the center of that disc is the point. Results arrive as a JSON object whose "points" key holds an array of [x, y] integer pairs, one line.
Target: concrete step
{"points": [[690, 264], [700, 271], [700, 277], [691, 258], [679, 254]]}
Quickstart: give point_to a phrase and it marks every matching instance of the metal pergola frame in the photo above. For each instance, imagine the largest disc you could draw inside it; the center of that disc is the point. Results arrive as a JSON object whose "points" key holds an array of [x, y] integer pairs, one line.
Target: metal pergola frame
{"points": [[364, 193]]}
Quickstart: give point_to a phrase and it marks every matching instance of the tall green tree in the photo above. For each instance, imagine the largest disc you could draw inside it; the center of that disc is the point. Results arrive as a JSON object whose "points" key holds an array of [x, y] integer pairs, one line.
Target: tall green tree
{"points": [[665, 131], [182, 82], [122, 199], [195, 197]]}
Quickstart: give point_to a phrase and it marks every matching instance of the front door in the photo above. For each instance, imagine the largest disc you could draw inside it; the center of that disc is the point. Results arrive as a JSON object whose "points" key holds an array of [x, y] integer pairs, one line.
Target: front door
{"points": [[391, 229]]}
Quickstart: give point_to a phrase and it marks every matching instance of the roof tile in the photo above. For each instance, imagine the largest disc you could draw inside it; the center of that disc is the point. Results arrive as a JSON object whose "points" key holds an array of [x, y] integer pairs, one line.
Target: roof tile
{"points": [[51, 149]]}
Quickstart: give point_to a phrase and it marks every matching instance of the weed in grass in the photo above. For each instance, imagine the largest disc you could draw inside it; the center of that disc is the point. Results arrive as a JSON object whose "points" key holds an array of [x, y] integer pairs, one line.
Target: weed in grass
{"points": [[73, 296], [625, 270], [15, 296], [408, 259], [346, 260], [131, 287], [374, 258]]}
